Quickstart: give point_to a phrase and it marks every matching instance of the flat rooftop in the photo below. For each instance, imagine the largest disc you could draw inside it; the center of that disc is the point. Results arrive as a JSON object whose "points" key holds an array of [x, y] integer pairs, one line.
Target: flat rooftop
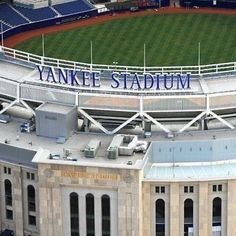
{"points": [[76, 144], [17, 155]]}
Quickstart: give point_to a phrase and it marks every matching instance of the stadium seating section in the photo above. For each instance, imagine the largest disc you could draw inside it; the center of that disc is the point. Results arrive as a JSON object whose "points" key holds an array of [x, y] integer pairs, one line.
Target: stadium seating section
{"points": [[10, 16], [72, 7], [36, 14], [4, 27]]}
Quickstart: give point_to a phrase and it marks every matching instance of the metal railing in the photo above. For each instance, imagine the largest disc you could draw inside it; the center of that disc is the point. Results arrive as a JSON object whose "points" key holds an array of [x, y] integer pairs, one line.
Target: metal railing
{"points": [[197, 70]]}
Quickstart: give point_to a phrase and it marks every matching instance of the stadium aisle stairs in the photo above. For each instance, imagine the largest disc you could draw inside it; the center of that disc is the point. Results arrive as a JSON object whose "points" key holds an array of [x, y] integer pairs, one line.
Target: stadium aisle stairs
{"points": [[57, 12], [19, 13]]}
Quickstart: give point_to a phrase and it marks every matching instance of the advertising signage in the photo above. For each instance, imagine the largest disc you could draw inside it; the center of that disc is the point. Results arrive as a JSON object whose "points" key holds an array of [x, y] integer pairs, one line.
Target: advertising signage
{"points": [[117, 80]]}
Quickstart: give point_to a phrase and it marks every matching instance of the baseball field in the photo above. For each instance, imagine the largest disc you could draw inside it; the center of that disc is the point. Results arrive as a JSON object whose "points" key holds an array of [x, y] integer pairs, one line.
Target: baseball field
{"points": [[170, 39]]}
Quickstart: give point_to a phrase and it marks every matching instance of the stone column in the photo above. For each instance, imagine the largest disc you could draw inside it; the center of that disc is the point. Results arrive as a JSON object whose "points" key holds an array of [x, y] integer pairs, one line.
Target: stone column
{"points": [[82, 215], [231, 208], [98, 215], [203, 209], [174, 210]]}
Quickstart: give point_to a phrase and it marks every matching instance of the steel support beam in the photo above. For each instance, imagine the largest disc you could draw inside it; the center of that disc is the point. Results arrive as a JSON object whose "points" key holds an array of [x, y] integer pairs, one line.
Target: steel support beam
{"points": [[156, 122], [221, 120], [125, 123], [192, 122], [7, 107], [96, 123], [27, 106]]}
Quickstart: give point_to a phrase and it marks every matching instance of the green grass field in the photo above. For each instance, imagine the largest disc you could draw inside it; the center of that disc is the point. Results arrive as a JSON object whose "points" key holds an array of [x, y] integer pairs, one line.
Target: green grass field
{"points": [[169, 39]]}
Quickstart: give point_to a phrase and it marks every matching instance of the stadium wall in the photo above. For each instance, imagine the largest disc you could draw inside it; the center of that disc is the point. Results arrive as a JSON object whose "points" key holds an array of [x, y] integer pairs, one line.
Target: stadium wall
{"points": [[209, 3], [49, 22]]}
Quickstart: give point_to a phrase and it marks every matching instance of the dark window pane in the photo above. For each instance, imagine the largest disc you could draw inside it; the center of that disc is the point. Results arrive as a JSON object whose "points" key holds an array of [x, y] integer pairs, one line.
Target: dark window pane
{"points": [[9, 171], [188, 215], [186, 189], [28, 175], [9, 214], [5, 170], [32, 176], [157, 189], [214, 188], [106, 227], [191, 189], [160, 217], [162, 189], [74, 214], [216, 212], [32, 220], [220, 188], [90, 223], [31, 198], [8, 192]]}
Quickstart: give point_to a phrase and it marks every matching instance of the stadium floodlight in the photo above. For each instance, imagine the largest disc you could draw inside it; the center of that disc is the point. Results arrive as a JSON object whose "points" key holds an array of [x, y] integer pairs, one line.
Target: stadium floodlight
{"points": [[115, 63]]}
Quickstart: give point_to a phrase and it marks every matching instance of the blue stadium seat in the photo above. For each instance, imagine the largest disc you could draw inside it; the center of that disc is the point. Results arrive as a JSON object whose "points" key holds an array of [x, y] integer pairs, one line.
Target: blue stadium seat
{"points": [[37, 14], [4, 27], [73, 7], [8, 15]]}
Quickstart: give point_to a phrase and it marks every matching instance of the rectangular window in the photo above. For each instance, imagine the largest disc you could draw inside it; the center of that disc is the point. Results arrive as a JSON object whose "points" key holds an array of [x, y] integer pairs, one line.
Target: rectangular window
{"points": [[32, 220], [220, 188], [214, 188], [32, 176], [9, 171], [5, 170], [27, 175], [162, 189], [186, 189], [191, 189], [157, 189], [9, 214]]}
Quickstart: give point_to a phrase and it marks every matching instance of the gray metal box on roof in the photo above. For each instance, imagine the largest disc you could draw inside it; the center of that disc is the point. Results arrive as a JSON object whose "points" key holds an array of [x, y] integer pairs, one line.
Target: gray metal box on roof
{"points": [[56, 120]]}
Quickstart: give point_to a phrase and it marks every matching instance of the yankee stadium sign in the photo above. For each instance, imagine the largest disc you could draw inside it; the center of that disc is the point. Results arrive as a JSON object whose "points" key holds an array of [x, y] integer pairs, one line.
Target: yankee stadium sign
{"points": [[118, 80]]}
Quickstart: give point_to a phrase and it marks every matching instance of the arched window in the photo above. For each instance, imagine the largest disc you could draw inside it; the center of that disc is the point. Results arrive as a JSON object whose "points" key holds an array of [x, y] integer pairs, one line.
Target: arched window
{"points": [[8, 192], [74, 214], [216, 212], [106, 216], [188, 217], [90, 223], [8, 199], [31, 198], [160, 217]]}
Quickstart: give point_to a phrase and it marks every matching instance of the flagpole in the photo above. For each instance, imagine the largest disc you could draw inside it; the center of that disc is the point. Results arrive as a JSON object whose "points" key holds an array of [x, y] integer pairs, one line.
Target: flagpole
{"points": [[43, 46], [144, 57], [199, 58], [91, 55]]}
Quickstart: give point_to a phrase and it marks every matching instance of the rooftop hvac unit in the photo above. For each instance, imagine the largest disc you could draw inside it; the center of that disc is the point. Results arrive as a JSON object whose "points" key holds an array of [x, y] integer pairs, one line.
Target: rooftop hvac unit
{"points": [[112, 152], [91, 149]]}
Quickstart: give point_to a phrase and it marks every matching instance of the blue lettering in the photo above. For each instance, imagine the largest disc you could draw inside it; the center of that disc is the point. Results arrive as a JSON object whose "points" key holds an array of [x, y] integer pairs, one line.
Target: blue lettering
{"points": [[86, 77], [40, 69], [51, 74], [135, 82], [74, 79], [96, 78], [148, 76], [157, 81], [116, 80], [63, 75], [183, 82], [125, 74], [166, 81]]}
